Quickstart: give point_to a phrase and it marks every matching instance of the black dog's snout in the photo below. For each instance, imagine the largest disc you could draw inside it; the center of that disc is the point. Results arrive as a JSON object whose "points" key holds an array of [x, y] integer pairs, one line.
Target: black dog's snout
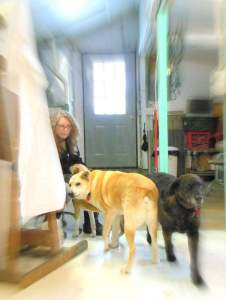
{"points": [[199, 201], [199, 198]]}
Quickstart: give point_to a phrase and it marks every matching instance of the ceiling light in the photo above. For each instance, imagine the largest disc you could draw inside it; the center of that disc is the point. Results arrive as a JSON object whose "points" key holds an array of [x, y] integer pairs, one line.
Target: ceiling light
{"points": [[70, 8]]}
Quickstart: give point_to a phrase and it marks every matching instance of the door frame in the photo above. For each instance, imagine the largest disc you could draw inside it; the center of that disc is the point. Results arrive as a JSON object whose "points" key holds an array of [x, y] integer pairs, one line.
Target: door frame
{"points": [[135, 104]]}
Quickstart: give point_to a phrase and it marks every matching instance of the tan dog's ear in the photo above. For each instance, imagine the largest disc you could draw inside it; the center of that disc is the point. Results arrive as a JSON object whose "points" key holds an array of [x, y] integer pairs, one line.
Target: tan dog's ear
{"points": [[74, 169], [85, 175]]}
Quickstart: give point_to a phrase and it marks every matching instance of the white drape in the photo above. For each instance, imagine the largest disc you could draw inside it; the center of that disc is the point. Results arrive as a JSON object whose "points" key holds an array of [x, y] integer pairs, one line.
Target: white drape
{"points": [[5, 193], [42, 187]]}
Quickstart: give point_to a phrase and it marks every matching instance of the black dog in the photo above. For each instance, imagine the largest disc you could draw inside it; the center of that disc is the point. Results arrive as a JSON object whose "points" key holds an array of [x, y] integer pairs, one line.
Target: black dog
{"points": [[179, 211]]}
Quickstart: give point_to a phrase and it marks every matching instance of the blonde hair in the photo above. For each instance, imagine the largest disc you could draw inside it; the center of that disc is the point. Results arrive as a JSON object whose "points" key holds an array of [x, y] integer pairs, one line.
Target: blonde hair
{"points": [[55, 116]]}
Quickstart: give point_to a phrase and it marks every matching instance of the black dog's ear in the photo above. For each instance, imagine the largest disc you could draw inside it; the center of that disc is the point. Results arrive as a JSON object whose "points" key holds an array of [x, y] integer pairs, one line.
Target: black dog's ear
{"points": [[174, 187]]}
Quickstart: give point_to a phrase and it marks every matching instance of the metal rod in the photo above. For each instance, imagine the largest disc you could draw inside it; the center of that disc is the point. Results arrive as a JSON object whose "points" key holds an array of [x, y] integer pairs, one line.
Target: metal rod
{"points": [[162, 65], [224, 104]]}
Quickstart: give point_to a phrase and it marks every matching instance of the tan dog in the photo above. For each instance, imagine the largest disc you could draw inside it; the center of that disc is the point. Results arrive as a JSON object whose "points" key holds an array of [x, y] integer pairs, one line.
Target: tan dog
{"points": [[81, 204], [117, 193], [117, 226]]}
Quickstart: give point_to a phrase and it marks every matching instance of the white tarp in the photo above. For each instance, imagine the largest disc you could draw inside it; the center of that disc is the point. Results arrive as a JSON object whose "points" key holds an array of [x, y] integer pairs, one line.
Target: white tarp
{"points": [[42, 187], [5, 193]]}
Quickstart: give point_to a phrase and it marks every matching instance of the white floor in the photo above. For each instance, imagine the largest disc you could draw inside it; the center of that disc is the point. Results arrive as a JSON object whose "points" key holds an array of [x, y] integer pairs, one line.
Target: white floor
{"points": [[96, 275]]}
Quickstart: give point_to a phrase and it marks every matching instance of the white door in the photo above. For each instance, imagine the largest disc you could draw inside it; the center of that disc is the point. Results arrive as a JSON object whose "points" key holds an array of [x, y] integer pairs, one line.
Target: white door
{"points": [[110, 110]]}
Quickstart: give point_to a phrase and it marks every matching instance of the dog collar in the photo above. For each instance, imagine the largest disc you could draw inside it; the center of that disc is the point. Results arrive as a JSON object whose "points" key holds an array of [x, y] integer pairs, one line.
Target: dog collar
{"points": [[88, 197]]}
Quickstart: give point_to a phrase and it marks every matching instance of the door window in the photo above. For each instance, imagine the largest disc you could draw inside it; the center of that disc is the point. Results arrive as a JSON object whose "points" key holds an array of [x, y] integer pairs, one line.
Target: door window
{"points": [[109, 87]]}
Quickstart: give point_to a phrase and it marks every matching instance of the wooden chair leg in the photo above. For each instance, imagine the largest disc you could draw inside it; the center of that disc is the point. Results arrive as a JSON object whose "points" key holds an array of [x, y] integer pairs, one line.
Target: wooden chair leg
{"points": [[14, 232], [55, 234]]}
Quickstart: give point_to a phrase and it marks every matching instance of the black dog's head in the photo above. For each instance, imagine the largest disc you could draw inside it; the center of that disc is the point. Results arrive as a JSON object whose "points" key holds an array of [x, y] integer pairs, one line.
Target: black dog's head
{"points": [[188, 190]]}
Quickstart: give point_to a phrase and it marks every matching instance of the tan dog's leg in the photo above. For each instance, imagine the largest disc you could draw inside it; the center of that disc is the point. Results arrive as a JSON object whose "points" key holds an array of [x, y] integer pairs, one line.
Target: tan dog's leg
{"points": [[77, 211], [130, 230], [116, 230], [152, 224], [109, 218], [92, 223], [81, 204]]}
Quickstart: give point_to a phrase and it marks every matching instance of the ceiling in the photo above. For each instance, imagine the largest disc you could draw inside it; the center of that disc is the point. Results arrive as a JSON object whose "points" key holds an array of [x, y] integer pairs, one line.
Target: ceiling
{"points": [[112, 25], [63, 17], [120, 36], [100, 26]]}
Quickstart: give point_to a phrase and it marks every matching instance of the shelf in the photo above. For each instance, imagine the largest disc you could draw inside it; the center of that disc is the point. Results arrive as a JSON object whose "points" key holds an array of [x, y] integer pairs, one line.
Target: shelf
{"points": [[201, 173], [216, 162]]}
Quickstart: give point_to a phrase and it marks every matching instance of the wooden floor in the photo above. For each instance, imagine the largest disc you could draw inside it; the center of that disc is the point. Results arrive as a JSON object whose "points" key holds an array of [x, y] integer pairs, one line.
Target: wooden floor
{"points": [[213, 211]]}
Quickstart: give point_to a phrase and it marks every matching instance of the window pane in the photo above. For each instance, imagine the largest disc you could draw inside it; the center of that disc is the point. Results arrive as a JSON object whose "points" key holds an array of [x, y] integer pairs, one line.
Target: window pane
{"points": [[109, 87]]}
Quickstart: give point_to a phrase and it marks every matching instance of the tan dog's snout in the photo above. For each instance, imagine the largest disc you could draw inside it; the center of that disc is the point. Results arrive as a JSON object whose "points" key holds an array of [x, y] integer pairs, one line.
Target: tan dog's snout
{"points": [[69, 190], [79, 185], [71, 194]]}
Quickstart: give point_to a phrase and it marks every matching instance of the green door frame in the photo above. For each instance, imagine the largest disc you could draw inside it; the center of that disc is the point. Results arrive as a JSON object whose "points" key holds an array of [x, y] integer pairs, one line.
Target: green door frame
{"points": [[162, 67]]}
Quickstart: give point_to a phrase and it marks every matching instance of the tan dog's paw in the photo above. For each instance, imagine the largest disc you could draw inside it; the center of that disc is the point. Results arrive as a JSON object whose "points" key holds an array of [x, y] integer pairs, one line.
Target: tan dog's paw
{"points": [[106, 248], [75, 235], [114, 245], [155, 260], [125, 270]]}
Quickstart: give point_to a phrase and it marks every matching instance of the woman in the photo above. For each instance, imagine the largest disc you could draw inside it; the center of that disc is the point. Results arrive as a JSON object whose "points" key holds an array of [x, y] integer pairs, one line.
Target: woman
{"points": [[65, 131]]}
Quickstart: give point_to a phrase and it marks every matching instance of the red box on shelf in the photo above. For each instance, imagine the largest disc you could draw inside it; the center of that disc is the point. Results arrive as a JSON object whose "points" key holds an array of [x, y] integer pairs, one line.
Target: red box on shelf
{"points": [[197, 140], [218, 135]]}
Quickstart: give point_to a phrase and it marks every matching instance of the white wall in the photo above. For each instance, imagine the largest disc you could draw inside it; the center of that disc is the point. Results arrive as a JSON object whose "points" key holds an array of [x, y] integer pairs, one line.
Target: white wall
{"points": [[146, 29], [57, 56], [78, 96], [68, 62], [195, 82], [141, 109], [146, 26]]}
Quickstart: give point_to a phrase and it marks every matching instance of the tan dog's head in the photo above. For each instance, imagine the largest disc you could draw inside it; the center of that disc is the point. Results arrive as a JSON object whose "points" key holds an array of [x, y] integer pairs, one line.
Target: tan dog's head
{"points": [[80, 185]]}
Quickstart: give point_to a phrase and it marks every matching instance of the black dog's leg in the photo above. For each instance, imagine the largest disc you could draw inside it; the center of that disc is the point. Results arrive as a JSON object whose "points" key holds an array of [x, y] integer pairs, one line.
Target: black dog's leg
{"points": [[193, 244], [169, 245]]}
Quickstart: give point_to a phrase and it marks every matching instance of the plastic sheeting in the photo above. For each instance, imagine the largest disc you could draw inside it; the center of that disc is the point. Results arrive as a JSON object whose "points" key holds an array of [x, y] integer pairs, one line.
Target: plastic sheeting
{"points": [[5, 193], [42, 187]]}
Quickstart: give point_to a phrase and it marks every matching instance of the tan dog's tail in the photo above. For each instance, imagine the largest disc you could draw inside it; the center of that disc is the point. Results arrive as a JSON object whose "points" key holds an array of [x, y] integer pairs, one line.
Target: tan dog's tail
{"points": [[152, 194]]}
